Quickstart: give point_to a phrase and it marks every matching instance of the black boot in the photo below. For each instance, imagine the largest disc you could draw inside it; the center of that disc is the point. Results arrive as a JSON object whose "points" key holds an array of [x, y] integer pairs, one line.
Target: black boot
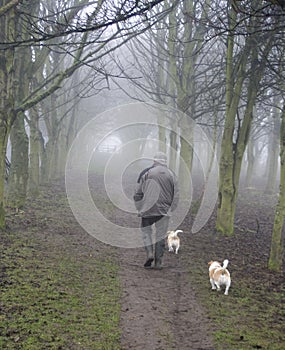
{"points": [[150, 258], [159, 250], [158, 264]]}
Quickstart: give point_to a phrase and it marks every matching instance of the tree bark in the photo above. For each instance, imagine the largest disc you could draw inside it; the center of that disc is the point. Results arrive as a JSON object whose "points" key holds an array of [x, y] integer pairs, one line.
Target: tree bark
{"points": [[186, 153], [7, 102], [277, 249], [273, 152], [227, 188], [18, 175], [232, 151], [250, 163], [34, 168], [3, 147]]}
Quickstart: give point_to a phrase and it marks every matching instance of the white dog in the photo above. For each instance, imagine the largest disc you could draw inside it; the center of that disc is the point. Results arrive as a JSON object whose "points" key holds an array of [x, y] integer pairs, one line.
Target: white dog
{"points": [[219, 275], [173, 241]]}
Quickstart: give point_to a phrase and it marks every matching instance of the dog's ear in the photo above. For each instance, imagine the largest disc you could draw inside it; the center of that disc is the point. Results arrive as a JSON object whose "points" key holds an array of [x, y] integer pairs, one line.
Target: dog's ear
{"points": [[210, 262]]}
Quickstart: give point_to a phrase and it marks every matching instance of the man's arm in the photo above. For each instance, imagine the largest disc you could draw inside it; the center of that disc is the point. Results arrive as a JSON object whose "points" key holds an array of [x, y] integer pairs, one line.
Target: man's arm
{"points": [[138, 195]]}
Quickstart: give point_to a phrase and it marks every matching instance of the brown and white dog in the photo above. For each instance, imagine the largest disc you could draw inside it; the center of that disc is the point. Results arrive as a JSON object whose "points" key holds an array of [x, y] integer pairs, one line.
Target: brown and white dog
{"points": [[173, 241], [219, 275]]}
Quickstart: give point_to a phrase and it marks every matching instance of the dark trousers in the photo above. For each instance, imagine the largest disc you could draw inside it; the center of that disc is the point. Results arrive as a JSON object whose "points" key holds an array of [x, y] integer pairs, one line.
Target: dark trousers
{"points": [[157, 239]]}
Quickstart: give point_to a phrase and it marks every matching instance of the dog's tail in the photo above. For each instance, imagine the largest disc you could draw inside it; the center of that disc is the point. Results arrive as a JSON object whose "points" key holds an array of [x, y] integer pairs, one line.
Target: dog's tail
{"points": [[176, 232], [225, 264]]}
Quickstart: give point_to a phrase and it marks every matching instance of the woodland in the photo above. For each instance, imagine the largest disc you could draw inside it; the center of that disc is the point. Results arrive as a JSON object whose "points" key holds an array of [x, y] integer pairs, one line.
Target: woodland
{"points": [[220, 63]]}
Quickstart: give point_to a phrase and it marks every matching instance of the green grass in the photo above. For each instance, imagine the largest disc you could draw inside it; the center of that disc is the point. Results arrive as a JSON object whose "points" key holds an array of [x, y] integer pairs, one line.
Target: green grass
{"points": [[53, 296], [248, 318]]}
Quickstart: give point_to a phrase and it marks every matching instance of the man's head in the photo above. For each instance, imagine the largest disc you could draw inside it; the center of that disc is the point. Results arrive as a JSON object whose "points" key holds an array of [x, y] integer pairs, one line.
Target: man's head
{"points": [[160, 158]]}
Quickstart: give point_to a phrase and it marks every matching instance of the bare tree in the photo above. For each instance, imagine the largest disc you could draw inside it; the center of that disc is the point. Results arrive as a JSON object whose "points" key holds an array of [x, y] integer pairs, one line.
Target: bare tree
{"points": [[79, 32], [277, 244], [250, 62]]}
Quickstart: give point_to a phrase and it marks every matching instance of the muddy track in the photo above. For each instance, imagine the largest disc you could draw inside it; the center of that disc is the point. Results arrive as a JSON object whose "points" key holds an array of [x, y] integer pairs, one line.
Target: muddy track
{"points": [[159, 307], [160, 310]]}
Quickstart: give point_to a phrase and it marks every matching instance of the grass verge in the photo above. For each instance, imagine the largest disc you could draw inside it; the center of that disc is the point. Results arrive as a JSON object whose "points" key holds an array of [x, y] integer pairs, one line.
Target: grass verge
{"points": [[56, 293], [250, 317]]}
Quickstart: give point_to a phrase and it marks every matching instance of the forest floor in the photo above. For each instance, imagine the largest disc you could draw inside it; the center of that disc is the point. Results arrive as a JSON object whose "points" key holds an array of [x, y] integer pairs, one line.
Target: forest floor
{"points": [[63, 289]]}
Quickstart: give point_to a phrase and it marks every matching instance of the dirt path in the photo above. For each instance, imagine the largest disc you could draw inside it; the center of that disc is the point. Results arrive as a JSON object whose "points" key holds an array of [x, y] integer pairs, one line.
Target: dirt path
{"points": [[159, 307], [160, 310]]}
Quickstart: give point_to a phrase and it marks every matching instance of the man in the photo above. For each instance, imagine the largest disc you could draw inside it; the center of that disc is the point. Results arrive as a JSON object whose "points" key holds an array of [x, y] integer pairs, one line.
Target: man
{"points": [[156, 195]]}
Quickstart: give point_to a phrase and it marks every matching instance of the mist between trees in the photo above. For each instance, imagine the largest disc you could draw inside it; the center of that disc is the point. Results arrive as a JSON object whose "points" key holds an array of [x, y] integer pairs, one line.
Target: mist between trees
{"points": [[219, 62]]}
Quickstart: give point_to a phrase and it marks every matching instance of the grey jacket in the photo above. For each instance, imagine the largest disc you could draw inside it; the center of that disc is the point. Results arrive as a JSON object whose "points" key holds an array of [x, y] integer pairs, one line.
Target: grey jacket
{"points": [[157, 191]]}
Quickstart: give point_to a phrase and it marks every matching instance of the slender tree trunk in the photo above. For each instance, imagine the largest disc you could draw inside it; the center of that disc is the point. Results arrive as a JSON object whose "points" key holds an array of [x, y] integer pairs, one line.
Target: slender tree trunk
{"points": [[172, 86], [230, 172], [62, 153], [250, 163], [232, 151], [227, 189], [172, 59], [3, 148], [273, 152], [62, 138], [7, 102], [18, 176], [186, 82], [212, 151], [51, 154], [173, 149], [186, 153], [277, 249], [34, 169], [43, 160]]}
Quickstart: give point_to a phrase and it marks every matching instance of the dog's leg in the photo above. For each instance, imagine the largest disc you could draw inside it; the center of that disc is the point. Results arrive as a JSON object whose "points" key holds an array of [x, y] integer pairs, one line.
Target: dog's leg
{"points": [[218, 287], [213, 284], [176, 250], [227, 288], [170, 249]]}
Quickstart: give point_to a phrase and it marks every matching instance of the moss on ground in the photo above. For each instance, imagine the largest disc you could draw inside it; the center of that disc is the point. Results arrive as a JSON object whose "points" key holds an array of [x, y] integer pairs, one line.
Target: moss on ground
{"points": [[59, 287], [56, 292], [250, 317]]}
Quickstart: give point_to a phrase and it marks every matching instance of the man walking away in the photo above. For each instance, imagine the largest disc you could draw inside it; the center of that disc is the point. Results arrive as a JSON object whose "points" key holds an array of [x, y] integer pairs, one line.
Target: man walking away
{"points": [[155, 197]]}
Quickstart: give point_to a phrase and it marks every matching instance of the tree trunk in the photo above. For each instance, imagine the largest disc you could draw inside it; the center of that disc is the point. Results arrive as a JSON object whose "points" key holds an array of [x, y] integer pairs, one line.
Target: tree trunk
{"points": [[227, 189], [51, 154], [250, 163], [212, 150], [232, 151], [186, 153], [173, 149], [18, 176], [273, 151], [3, 148], [7, 89], [277, 250], [34, 169], [186, 81], [43, 160]]}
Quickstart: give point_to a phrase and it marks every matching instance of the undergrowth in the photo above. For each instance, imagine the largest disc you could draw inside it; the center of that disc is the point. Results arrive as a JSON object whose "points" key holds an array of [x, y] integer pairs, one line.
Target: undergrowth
{"points": [[54, 292]]}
